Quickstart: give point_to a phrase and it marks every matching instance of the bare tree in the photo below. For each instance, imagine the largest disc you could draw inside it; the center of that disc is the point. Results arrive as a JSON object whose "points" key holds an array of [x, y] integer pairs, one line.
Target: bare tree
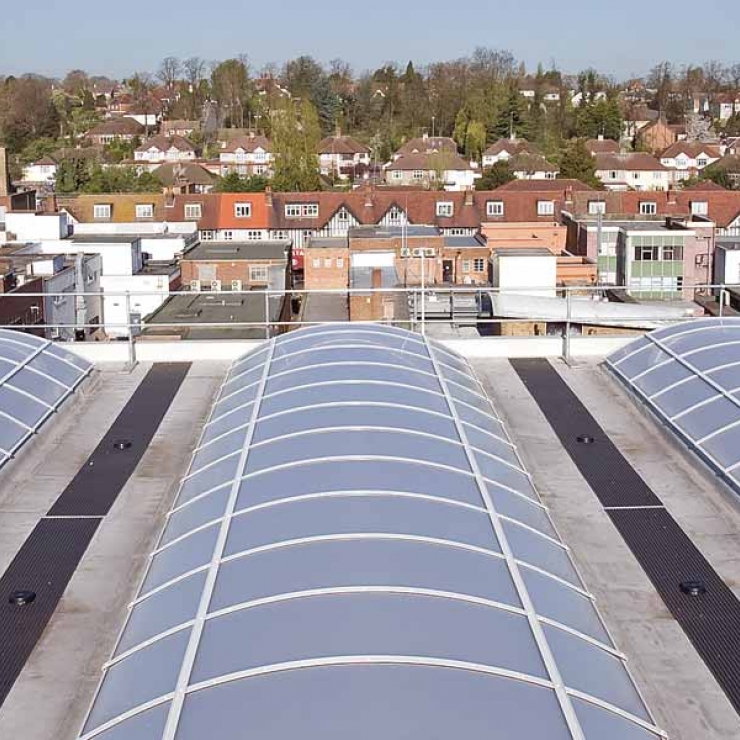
{"points": [[194, 69], [733, 76], [169, 71], [141, 85], [714, 75]]}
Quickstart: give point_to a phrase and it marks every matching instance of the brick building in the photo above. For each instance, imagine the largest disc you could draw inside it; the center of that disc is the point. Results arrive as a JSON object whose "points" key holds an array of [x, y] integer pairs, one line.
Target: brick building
{"points": [[237, 266]]}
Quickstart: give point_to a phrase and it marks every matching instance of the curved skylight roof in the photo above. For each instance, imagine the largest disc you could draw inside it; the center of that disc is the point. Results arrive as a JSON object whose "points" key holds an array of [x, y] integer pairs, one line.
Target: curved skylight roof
{"points": [[357, 551], [35, 378], [689, 375]]}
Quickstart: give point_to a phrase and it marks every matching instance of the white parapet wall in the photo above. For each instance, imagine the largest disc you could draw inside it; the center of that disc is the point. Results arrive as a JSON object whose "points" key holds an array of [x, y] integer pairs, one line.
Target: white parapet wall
{"points": [[229, 350]]}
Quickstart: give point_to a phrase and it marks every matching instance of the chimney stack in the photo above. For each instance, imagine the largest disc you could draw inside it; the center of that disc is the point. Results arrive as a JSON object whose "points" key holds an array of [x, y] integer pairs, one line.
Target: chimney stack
{"points": [[4, 174], [268, 196], [377, 279], [369, 196], [469, 197]]}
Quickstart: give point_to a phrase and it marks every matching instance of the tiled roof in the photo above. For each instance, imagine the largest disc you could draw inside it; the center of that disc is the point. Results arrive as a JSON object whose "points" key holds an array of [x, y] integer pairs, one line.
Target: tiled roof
{"points": [[428, 162], [165, 143], [602, 146], [691, 149], [117, 127], [173, 173], [544, 186], [634, 161], [342, 145], [248, 144], [427, 145], [512, 147]]}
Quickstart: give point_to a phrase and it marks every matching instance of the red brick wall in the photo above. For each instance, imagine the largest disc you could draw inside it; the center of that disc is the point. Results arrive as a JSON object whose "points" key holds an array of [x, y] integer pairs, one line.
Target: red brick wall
{"points": [[318, 276], [225, 271]]}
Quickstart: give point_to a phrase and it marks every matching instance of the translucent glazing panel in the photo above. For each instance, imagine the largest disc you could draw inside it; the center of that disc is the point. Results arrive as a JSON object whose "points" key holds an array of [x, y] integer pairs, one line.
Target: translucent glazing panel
{"points": [[198, 513], [61, 371], [14, 352], [646, 358], [515, 507], [6, 366], [353, 371], [354, 391], [616, 357], [352, 515], [461, 377], [371, 702], [594, 671], [459, 393], [29, 340], [254, 358], [684, 396], [482, 419], [38, 386], [709, 418], [343, 443], [143, 676], [714, 334], [370, 416], [604, 725], [663, 376], [209, 478], [358, 475], [70, 357], [367, 624], [226, 445], [725, 447], [332, 564], [21, 407], [359, 336], [11, 434], [713, 357], [349, 352], [162, 611], [148, 725], [562, 604], [241, 378], [498, 471], [182, 557], [237, 399], [728, 377], [542, 553], [488, 443], [227, 423]]}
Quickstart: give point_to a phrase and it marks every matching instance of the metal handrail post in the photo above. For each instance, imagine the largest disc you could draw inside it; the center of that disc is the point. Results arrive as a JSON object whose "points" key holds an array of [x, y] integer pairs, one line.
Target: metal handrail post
{"points": [[131, 342]]}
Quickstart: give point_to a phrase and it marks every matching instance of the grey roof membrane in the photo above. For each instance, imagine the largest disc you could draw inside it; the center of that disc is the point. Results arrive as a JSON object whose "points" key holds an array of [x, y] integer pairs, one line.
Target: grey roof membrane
{"points": [[35, 378], [357, 551], [689, 375]]}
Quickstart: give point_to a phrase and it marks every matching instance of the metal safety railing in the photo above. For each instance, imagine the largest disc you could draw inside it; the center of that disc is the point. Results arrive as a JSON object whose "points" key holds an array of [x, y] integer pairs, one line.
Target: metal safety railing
{"points": [[261, 313]]}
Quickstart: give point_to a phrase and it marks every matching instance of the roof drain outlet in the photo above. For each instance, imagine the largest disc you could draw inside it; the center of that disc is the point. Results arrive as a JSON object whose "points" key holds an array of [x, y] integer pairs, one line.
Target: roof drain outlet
{"points": [[693, 588], [22, 598]]}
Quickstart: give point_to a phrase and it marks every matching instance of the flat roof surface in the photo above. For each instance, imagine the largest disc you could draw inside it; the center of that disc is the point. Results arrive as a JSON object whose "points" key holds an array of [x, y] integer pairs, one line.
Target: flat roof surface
{"points": [[523, 252], [221, 308], [389, 232], [464, 242], [232, 250], [64, 668], [677, 685], [328, 242], [103, 239]]}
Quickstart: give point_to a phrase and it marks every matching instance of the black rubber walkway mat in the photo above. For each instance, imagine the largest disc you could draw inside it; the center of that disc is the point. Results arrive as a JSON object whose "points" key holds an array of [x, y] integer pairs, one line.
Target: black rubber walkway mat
{"points": [[610, 476], [43, 566], [703, 605], [96, 486]]}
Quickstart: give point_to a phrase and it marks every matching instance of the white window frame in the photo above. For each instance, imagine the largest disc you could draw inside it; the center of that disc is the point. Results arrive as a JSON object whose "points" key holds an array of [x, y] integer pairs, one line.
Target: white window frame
{"points": [[316, 263], [258, 274], [144, 210], [102, 211], [545, 207], [466, 265], [292, 210], [193, 211], [648, 208], [340, 263], [479, 264], [445, 209], [242, 210], [328, 262], [254, 236], [699, 208], [310, 210], [596, 206], [495, 208], [228, 235]]}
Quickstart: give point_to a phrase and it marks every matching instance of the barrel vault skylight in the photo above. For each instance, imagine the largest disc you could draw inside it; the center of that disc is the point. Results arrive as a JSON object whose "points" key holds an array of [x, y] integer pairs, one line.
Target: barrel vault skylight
{"points": [[36, 376], [357, 551], [689, 375]]}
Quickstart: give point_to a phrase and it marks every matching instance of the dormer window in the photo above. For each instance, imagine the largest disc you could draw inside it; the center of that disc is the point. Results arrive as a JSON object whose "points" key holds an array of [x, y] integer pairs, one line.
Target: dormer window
{"points": [[445, 209]]}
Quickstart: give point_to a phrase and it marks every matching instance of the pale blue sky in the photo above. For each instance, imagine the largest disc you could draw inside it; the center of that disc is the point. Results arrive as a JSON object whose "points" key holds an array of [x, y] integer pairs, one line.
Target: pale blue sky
{"points": [[118, 38]]}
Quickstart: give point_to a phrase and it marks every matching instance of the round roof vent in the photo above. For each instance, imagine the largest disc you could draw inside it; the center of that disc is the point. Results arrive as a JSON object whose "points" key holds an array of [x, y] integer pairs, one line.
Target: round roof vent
{"points": [[585, 439], [22, 598], [693, 588], [122, 444]]}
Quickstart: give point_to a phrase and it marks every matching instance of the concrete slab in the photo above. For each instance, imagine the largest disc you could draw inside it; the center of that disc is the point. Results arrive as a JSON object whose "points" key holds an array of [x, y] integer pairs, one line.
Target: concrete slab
{"points": [[52, 695], [683, 695]]}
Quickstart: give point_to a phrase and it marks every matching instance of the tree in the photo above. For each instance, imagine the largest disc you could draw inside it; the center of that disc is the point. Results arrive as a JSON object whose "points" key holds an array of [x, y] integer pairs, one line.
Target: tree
{"points": [[194, 70], [726, 172], [475, 142], [169, 71], [141, 89], [732, 125], [232, 183], [231, 88], [496, 176], [576, 163], [295, 139]]}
